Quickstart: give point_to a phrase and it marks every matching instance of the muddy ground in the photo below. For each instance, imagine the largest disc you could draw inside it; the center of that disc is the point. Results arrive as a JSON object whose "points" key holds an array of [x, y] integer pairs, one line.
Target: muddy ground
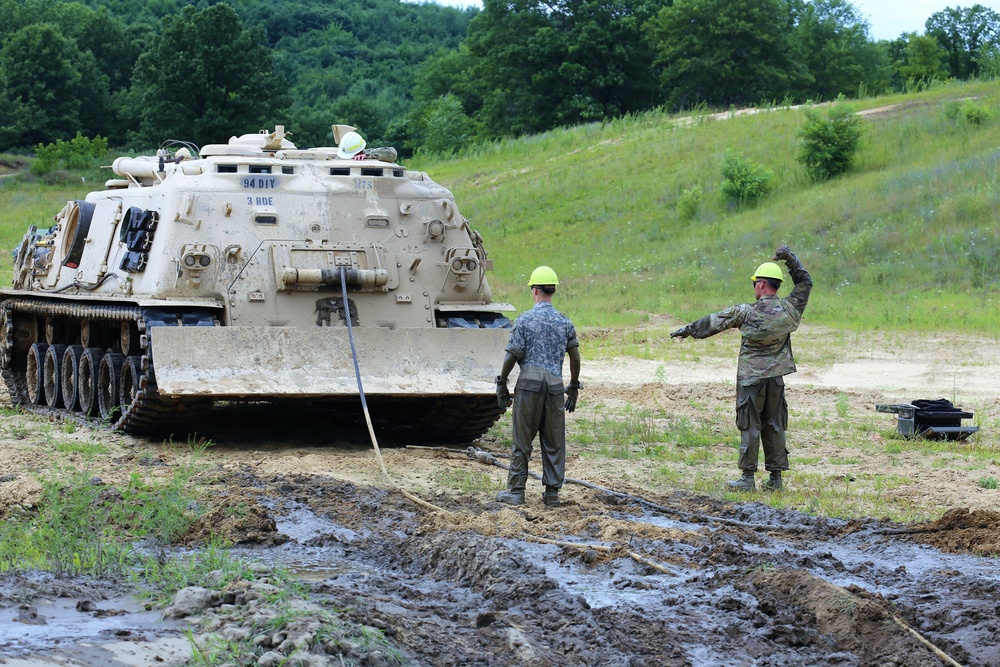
{"points": [[622, 574]]}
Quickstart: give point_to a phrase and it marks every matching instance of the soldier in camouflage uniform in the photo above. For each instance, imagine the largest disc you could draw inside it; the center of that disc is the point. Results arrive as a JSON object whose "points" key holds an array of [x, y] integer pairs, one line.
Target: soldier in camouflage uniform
{"points": [[540, 339], [765, 358]]}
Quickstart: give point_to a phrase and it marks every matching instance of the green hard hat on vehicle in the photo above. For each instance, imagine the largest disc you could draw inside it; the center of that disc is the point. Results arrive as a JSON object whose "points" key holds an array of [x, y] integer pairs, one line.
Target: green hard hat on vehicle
{"points": [[543, 275], [768, 270]]}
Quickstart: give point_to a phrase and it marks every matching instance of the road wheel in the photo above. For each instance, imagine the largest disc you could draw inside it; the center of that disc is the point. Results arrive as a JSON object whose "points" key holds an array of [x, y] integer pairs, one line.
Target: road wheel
{"points": [[87, 381], [130, 380], [108, 382], [70, 377], [35, 373], [52, 375]]}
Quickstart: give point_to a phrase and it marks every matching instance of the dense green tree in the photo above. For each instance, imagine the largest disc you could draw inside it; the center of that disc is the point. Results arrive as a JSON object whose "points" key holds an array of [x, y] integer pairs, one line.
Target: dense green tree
{"points": [[205, 78], [924, 59], [351, 51], [541, 64], [965, 34], [447, 74], [104, 41], [401, 72], [832, 37], [115, 46], [444, 126], [727, 51], [49, 88], [989, 63]]}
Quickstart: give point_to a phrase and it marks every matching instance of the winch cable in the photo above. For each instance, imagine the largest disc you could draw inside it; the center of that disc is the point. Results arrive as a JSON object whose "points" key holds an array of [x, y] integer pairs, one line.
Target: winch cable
{"points": [[483, 456], [364, 403], [420, 501]]}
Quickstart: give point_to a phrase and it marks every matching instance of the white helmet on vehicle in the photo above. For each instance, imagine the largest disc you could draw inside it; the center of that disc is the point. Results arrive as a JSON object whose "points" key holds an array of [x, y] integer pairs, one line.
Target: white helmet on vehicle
{"points": [[350, 145]]}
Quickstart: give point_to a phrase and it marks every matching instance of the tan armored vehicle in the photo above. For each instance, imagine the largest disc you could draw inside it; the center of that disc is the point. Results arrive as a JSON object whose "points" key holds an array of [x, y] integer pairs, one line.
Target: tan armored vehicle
{"points": [[219, 275]]}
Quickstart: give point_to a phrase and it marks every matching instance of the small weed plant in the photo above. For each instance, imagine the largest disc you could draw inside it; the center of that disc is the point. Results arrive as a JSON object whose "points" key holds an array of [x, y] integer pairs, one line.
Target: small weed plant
{"points": [[82, 526], [967, 112], [468, 481], [618, 436], [842, 405]]}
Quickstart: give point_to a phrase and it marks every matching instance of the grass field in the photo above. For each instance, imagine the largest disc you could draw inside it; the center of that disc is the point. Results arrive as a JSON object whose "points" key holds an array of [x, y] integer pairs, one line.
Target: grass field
{"points": [[906, 241]]}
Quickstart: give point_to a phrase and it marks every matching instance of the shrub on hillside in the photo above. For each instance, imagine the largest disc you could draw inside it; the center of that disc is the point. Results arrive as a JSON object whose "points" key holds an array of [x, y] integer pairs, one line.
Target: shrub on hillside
{"points": [[77, 153], [976, 114], [745, 182], [967, 111], [689, 203], [830, 145]]}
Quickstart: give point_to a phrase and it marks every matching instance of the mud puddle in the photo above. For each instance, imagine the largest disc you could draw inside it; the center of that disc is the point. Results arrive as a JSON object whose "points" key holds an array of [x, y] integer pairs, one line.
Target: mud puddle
{"points": [[75, 631], [596, 582], [744, 584], [315, 549]]}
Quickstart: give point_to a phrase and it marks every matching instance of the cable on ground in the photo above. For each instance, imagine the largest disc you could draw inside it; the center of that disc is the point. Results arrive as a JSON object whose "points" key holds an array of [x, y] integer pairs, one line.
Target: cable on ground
{"points": [[364, 405]]}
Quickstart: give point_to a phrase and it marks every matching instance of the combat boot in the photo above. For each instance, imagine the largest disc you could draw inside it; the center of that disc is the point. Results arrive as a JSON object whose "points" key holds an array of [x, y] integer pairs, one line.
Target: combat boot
{"points": [[551, 497], [774, 482], [744, 483], [511, 497]]}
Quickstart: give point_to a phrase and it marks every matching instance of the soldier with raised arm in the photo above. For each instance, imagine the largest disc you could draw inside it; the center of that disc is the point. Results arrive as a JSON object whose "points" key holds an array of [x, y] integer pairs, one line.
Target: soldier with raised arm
{"points": [[765, 358]]}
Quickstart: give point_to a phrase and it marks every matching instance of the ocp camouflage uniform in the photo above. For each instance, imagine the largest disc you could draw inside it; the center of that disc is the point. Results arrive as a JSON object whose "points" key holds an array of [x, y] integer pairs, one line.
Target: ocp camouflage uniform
{"points": [[765, 357], [540, 339], [385, 154]]}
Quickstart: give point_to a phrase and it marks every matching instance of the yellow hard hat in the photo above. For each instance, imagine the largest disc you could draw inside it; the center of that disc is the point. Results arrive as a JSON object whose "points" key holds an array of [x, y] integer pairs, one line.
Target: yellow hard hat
{"points": [[543, 275], [350, 145], [768, 270]]}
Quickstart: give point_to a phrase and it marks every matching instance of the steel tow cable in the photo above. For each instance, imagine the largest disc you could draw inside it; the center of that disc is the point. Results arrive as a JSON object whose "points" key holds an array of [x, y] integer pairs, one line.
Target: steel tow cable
{"points": [[364, 402], [421, 501]]}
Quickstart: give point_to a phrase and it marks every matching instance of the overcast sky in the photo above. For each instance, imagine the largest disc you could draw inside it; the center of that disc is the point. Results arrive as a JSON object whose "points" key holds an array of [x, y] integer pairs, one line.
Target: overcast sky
{"points": [[888, 18]]}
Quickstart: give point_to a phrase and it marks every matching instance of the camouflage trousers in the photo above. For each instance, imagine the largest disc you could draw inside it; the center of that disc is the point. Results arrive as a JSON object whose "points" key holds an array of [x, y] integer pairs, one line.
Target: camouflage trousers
{"points": [[762, 416], [539, 398]]}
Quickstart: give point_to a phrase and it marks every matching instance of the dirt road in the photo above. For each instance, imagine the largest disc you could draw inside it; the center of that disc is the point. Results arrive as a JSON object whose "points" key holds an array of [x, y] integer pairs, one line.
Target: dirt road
{"points": [[632, 573]]}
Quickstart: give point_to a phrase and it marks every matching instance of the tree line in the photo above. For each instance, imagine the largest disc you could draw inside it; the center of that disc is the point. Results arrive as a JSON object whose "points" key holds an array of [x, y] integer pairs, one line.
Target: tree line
{"points": [[433, 78]]}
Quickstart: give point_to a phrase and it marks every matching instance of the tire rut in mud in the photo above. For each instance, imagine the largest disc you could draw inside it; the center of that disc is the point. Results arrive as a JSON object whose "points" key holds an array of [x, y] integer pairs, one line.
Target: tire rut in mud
{"points": [[825, 594]]}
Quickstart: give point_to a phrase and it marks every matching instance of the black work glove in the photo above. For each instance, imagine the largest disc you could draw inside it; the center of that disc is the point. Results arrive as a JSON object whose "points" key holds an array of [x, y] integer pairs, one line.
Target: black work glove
{"points": [[683, 332], [572, 393], [503, 394], [784, 253]]}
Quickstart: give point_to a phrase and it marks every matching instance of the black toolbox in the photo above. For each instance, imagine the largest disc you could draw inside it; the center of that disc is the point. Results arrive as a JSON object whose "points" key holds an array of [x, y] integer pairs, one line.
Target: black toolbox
{"points": [[935, 419]]}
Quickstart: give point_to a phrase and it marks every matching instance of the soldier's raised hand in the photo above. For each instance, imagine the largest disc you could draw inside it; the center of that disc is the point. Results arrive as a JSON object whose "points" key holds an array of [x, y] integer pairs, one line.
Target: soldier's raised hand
{"points": [[783, 252]]}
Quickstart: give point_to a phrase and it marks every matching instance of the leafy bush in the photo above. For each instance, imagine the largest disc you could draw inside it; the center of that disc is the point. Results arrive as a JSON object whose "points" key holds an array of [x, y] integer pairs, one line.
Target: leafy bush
{"points": [[745, 182], [77, 153], [829, 145], [976, 114], [957, 111], [689, 203]]}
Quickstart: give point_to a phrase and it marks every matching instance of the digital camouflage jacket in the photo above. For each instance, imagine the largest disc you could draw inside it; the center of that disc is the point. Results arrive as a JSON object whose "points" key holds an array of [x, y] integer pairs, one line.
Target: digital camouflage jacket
{"points": [[541, 337], [766, 325]]}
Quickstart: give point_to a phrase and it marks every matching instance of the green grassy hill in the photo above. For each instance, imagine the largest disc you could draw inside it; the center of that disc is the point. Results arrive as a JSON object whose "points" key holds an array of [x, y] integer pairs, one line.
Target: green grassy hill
{"points": [[908, 240]]}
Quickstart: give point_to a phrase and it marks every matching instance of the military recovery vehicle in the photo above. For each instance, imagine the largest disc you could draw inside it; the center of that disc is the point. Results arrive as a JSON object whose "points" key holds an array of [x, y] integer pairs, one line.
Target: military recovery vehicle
{"points": [[199, 276]]}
